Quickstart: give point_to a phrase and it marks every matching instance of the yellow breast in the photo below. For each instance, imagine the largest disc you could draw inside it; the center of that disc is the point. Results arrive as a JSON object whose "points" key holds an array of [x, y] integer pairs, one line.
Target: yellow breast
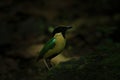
{"points": [[59, 45]]}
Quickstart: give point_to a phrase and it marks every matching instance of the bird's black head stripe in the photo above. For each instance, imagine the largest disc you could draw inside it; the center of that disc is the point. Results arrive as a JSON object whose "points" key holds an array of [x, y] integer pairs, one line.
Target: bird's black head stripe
{"points": [[61, 29]]}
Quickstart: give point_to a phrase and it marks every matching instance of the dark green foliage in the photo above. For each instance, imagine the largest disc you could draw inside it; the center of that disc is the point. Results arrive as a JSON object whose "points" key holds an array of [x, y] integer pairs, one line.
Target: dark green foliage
{"points": [[88, 71]]}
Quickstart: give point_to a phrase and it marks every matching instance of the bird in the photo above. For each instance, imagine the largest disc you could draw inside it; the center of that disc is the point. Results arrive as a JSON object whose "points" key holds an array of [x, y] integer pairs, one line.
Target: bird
{"points": [[54, 46]]}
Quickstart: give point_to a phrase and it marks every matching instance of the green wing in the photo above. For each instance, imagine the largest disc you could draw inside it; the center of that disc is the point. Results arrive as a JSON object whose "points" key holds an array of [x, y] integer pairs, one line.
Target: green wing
{"points": [[49, 45]]}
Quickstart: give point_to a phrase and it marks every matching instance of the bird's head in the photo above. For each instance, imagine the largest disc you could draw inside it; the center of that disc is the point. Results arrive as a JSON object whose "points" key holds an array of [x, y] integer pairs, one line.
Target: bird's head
{"points": [[61, 29]]}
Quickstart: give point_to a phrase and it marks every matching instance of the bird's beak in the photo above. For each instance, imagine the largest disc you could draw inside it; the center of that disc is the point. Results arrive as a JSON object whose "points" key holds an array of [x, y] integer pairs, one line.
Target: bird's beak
{"points": [[69, 27]]}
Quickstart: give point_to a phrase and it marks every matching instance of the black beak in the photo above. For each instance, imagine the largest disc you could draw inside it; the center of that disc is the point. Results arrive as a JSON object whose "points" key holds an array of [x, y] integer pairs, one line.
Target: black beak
{"points": [[68, 27]]}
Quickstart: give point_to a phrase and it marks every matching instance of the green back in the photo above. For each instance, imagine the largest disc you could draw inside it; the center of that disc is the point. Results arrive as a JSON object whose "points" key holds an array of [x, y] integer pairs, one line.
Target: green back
{"points": [[49, 45]]}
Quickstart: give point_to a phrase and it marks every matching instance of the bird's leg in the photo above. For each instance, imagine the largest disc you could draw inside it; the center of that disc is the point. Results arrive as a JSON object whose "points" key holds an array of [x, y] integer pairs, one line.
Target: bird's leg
{"points": [[47, 63]]}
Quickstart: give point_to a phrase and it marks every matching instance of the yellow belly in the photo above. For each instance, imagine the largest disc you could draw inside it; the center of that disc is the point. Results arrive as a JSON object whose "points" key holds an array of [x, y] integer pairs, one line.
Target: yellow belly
{"points": [[59, 46]]}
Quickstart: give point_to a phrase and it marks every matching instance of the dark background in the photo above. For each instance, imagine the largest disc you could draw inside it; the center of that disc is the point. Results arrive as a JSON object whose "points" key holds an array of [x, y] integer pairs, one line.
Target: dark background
{"points": [[25, 25]]}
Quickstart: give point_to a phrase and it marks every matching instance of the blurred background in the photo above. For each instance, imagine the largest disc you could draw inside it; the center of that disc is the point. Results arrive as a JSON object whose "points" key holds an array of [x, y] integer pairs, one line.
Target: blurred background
{"points": [[92, 44]]}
